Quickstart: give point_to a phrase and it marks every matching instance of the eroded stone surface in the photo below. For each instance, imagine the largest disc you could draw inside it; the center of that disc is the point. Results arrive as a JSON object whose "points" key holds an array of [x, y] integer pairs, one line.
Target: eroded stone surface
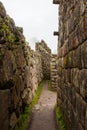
{"points": [[20, 72], [72, 61]]}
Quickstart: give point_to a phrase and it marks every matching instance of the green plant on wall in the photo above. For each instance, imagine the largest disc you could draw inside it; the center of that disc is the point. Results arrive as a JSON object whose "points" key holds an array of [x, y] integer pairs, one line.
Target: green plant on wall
{"points": [[4, 27], [25, 117], [10, 38], [7, 19], [60, 119], [7, 34]]}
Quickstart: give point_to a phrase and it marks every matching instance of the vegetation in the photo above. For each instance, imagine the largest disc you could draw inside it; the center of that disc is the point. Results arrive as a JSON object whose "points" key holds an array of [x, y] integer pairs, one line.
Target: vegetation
{"points": [[60, 119], [6, 33], [50, 86], [25, 117]]}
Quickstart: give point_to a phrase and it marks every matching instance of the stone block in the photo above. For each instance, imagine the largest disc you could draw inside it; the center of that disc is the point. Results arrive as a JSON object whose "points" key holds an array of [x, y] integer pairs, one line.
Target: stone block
{"points": [[77, 58], [84, 55], [83, 83], [75, 79], [7, 70], [79, 32], [80, 109], [19, 57], [65, 48], [65, 62], [86, 119], [13, 120], [74, 99], [84, 25], [70, 59], [4, 109]]}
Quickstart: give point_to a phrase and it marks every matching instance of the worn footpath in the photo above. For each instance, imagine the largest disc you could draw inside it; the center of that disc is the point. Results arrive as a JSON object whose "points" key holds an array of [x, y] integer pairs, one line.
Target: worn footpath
{"points": [[43, 112]]}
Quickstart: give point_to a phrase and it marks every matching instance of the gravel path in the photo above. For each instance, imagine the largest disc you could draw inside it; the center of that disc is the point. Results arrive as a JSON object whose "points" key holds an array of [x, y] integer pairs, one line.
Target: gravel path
{"points": [[43, 112]]}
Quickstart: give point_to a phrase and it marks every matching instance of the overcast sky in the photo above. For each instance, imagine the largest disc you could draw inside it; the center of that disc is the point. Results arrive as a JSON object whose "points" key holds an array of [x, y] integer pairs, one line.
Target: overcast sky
{"points": [[39, 19]]}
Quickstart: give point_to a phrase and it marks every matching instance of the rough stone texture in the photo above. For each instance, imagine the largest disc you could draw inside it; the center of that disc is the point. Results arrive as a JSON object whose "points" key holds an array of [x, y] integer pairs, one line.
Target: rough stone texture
{"points": [[53, 70], [20, 72], [4, 109], [45, 52], [72, 63], [56, 1]]}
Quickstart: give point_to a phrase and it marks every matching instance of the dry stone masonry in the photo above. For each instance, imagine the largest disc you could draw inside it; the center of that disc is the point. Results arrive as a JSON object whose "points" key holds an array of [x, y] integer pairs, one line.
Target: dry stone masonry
{"points": [[72, 62], [22, 69], [20, 72], [53, 70], [45, 53]]}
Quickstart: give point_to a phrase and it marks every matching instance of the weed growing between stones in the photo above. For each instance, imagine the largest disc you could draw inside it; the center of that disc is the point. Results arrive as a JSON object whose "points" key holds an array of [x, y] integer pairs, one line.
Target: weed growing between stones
{"points": [[26, 116], [60, 119]]}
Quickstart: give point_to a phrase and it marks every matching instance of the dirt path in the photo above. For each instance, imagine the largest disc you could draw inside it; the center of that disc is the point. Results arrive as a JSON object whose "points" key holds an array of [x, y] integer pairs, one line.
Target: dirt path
{"points": [[43, 112]]}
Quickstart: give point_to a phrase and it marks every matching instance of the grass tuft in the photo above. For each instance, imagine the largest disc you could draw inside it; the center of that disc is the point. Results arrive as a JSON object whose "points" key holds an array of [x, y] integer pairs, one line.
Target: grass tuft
{"points": [[60, 119], [25, 117]]}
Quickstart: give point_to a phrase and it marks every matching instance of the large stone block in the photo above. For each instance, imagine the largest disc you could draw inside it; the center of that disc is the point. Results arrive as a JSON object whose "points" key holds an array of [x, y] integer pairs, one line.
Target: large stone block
{"points": [[19, 57], [77, 58], [80, 109], [7, 70], [13, 121], [83, 83], [86, 119], [84, 55], [4, 109], [75, 79], [70, 59], [84, 26]]}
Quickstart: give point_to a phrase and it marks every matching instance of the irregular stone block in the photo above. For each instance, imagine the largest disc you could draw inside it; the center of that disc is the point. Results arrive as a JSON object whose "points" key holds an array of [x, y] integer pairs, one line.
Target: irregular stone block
{"points": [[13, 120], [82, 83], [84, 55], [4, 109]]}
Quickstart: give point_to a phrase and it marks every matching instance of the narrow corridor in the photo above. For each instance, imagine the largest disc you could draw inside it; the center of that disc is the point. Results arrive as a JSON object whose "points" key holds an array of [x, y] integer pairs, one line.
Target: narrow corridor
{"points": [[43, 112]]}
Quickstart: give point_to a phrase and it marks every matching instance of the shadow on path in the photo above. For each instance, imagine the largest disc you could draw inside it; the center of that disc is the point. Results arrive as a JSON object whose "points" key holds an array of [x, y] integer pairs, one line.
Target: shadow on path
{"points": [[43, 112]]}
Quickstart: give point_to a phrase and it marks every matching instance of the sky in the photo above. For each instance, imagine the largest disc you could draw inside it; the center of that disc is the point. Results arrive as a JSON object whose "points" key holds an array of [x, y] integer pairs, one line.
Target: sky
{"points": [[39, 19]]}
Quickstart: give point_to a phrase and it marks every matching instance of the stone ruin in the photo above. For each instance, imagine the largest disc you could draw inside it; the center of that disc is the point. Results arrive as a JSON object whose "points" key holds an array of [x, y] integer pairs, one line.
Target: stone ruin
{"points": [[21, 71], [72, 62], [45, 52]]}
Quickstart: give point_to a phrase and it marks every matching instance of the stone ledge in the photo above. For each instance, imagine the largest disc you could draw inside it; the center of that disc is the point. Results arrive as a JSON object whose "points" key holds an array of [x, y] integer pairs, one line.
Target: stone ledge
{"points": [[56, 1]]}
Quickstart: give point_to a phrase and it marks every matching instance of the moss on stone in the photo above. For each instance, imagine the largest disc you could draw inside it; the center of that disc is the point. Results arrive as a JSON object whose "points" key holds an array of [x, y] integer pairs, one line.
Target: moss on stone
{"points": [[64, 61], [60, 119], [10, 38], [7, 34], [25, 117]]}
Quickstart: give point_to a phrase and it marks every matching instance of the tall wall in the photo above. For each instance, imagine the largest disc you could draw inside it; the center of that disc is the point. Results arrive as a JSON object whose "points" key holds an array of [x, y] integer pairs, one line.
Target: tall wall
{"points": [[20, 72], [72, 62], [53, 71], [45, 53]]}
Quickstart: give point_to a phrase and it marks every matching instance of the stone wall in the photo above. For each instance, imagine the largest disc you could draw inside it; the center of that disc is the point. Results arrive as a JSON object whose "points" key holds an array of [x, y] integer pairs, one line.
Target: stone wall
{"points": [[72, 62], [53, 70], [45, 53], [20, 72]]}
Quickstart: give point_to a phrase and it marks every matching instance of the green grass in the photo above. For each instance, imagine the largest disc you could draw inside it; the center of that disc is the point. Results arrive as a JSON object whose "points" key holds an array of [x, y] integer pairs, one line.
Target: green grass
{"points": [[60, 119], [25, 117], [50, 86]]}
